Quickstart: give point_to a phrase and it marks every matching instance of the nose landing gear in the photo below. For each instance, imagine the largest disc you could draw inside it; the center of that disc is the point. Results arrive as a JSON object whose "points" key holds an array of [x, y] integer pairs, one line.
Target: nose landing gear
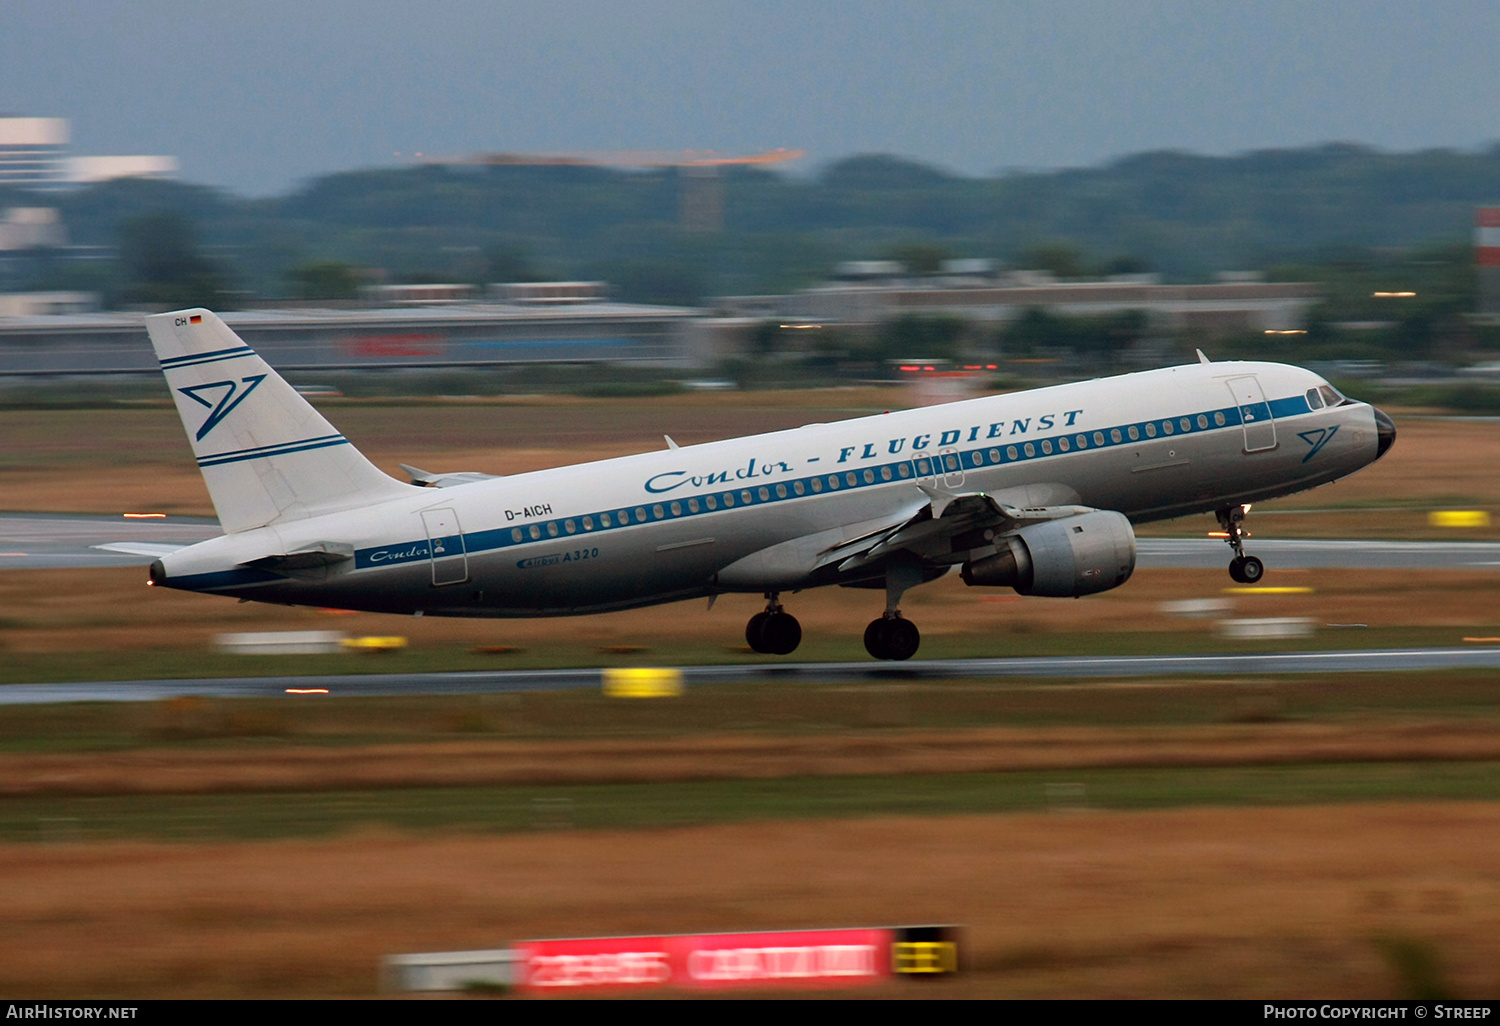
{"points": [[1243, 569], [775, 631]]}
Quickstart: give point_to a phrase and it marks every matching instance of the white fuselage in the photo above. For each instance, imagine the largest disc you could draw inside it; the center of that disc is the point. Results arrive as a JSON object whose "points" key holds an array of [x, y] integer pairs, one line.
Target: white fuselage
{"points": [[689, 522]]}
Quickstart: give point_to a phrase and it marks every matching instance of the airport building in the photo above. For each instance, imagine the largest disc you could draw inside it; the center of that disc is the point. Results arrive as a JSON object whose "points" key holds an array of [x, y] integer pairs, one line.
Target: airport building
{"points": [[1237, 303], [34, 154], [33, 151], [437, 337]]}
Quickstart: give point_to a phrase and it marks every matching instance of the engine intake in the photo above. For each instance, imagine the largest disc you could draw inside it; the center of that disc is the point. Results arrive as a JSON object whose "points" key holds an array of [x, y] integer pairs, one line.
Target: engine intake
{"points": [[1078, 555]]}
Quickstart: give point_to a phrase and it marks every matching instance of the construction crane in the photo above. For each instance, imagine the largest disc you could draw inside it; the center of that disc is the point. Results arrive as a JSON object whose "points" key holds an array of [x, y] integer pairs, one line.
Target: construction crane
{"points": [[701, 195]]}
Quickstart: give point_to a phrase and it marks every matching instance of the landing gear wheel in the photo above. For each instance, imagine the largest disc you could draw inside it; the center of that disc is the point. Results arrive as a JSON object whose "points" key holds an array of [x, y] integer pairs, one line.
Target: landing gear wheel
{"points": [[902, 640], [1247, 569], [1243, 569], [753, 632], [892, 638], [780, 634]]}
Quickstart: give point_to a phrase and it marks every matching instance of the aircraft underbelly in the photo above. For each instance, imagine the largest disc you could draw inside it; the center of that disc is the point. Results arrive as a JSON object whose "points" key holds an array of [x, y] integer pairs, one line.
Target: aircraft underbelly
{"points": [[637, 566]]}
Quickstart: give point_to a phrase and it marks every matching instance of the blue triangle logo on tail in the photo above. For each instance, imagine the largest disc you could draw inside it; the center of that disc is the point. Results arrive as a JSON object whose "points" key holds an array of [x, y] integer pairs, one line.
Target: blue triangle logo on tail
{"points": [[1317, 438], [227, 402]]}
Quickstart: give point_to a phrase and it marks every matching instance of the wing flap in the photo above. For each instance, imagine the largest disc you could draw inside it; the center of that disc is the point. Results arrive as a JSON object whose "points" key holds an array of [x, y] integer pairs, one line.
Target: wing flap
{"points": [[933, 533]]}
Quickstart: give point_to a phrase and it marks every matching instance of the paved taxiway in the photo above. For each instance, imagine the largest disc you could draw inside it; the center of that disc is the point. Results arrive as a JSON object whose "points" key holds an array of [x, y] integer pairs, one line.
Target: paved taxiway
{"points": [[39, 540], [489, 683]]}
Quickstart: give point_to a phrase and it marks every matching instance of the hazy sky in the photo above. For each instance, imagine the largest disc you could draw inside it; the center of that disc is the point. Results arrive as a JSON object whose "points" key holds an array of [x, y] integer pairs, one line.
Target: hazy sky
{"points": [[256, 95]]}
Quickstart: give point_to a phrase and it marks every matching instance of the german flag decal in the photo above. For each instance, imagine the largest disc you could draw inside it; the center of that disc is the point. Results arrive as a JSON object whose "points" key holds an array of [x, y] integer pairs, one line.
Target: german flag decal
{"points": [[196, 318]]}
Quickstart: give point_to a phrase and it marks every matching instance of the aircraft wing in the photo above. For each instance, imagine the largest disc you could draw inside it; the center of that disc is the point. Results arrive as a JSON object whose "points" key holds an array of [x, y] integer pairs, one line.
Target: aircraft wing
{"points": [[945, 530]]}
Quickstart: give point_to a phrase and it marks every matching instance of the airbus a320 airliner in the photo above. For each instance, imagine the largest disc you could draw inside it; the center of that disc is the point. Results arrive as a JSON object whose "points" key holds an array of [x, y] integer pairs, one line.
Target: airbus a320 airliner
{"points": [[1035, 491]]}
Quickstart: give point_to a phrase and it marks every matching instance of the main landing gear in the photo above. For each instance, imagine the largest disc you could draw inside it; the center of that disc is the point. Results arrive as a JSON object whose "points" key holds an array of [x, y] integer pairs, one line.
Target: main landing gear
{"points": [[892, 636], [1243, 569], [775, 631]]}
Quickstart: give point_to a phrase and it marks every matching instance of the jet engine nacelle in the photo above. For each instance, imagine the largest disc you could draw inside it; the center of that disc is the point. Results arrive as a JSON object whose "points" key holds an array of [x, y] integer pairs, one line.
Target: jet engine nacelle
{"points": [[1077, 555]]}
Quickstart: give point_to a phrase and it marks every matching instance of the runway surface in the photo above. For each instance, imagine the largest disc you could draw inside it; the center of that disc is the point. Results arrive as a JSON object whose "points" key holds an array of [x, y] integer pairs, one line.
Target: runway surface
{"points": [[41, 541], [49, 541], [489, 683], [53, 541]]}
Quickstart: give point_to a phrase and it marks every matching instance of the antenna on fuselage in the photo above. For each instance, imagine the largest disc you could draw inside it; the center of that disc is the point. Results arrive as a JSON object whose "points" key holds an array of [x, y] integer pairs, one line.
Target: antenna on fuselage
{"points": [[1202, 358]]}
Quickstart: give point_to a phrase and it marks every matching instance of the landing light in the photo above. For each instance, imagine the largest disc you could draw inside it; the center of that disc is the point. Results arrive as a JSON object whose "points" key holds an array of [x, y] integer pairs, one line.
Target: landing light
{"points": [[1393, 295], [143, 516], [1286, 331], [307, 691]]}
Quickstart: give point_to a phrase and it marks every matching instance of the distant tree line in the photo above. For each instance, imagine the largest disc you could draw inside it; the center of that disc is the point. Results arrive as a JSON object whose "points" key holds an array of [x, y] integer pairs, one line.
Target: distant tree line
{"points": [[1180, 215]]}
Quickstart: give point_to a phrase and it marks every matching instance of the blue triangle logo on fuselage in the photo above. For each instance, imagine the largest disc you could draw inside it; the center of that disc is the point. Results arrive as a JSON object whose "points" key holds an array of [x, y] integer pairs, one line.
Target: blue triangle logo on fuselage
{"points": [[1317, 438]]}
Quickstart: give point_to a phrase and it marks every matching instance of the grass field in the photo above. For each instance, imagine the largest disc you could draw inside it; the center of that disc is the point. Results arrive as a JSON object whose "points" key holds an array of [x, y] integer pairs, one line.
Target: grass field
{"points": [[502, 810], [1292, 836]]}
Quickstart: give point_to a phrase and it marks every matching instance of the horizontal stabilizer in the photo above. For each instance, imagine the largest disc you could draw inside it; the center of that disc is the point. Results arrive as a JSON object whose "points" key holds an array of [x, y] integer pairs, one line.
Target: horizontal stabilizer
{"points": [[310, 558], [154, 549], [426, 479]]}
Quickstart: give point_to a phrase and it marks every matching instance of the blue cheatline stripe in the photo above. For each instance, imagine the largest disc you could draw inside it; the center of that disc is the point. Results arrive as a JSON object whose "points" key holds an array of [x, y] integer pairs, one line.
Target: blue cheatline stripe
{"points": [[193, 359], [238, 577], [280, 449], [569, 533], [1291, 407]]}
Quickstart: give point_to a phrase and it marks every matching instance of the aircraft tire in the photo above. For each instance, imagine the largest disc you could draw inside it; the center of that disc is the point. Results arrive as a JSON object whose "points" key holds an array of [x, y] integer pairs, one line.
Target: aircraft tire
{"points": [[902, 640], [1237, 570], [754, 632], [1252, 570], [875, 635], [780, 634]]}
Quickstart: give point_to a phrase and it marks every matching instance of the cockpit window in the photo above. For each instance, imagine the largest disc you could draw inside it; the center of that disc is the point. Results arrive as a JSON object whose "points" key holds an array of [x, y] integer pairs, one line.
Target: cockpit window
{"points": [[1314, 399], [1330, 395]]}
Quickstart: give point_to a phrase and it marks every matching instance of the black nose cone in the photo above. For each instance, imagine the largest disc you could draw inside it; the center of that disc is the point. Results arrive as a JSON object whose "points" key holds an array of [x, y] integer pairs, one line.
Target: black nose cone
{"points": [[1385, 433]]}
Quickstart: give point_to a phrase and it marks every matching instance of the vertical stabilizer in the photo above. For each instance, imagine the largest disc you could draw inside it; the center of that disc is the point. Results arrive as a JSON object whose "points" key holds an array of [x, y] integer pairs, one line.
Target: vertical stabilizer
{"points": [[265, 453]]}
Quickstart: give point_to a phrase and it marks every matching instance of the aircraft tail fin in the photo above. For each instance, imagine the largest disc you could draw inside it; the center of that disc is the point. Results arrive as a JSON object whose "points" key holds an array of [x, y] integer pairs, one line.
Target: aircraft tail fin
{"points": [[265, 453]]}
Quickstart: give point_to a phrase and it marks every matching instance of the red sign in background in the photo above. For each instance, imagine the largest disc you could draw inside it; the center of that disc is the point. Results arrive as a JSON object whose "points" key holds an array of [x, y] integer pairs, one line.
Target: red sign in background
{"points": [[822, 958]]}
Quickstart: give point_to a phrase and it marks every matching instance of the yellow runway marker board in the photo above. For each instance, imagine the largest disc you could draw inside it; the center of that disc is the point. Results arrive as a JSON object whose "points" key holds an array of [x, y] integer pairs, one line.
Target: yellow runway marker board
{"points": [[642, 682], [1459, 518], [1269, 590]]}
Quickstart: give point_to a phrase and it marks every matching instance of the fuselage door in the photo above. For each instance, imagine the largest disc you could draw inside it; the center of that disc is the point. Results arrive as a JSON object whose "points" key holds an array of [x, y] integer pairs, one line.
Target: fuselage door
{"points": [[445, 545], [1255, 413]]}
